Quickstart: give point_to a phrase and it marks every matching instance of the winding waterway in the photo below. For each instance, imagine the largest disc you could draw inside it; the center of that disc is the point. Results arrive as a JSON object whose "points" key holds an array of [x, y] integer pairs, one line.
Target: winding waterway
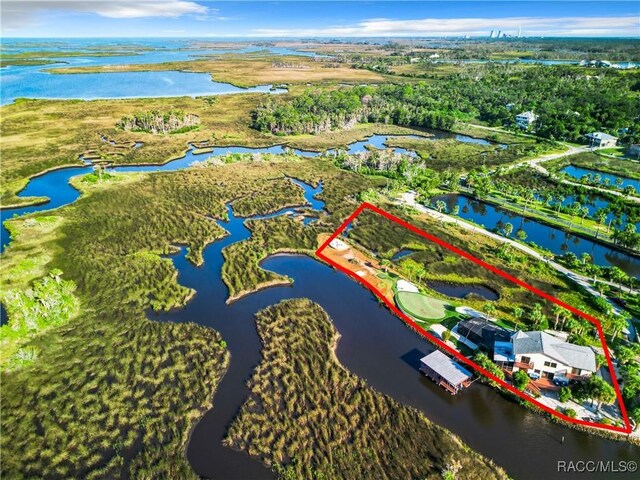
{"points": [[55, 186], [374, 344]]}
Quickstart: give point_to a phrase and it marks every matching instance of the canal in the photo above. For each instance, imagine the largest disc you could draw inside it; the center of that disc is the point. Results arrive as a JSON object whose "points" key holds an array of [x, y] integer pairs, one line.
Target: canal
{"points": [[545, 236]]}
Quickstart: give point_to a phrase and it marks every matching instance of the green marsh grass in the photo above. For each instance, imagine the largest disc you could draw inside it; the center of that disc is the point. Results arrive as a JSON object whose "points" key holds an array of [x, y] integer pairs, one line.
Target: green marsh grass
{"points": [[308, 417]]}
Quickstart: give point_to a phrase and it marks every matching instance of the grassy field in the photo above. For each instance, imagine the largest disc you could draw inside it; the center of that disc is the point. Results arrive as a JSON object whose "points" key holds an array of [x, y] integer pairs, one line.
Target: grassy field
{"points": [[122, 392], [247, 70], [308, 417], [421, 306], [443, 154], [37, 135], [376, 233]]}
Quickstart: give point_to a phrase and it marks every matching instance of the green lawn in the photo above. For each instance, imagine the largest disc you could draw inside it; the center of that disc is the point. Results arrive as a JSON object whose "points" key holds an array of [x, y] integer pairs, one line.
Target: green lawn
{"points": [[421, 306]]}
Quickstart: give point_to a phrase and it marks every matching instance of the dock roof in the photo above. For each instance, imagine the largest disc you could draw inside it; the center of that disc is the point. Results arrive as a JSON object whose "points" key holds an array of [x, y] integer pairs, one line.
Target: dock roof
{"points": [[451, 371]]}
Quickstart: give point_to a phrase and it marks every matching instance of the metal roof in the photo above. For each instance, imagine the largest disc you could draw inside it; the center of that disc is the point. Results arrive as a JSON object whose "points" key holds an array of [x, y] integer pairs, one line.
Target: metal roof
{"points": [[569, 354], [601, 136], [451, 371]]}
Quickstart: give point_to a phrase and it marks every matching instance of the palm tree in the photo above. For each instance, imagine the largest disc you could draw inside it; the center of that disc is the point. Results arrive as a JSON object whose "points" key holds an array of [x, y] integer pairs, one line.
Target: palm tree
{"points": [[489, 308], [508, 229], [617, 276], [559, 312], [441, 206], [586, 258], [618, 322], [574, 210], [527, 196], [420, 272], [560, 200], [518, 313], [537, 316], [629, 190], [385, 263], [600, 217], [584, 211]]}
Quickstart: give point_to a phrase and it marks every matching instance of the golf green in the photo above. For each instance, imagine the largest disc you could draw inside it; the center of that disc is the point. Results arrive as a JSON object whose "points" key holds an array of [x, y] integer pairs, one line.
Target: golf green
{"points": [[421, 306]]}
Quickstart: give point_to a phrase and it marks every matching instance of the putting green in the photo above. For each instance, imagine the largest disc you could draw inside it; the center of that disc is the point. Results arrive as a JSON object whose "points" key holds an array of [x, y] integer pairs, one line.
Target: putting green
{"points": [[421, 306]]}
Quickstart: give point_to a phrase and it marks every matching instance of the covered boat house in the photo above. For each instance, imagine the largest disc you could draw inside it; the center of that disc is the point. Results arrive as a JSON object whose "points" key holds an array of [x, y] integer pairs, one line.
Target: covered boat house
{"points": [[445, 372]]}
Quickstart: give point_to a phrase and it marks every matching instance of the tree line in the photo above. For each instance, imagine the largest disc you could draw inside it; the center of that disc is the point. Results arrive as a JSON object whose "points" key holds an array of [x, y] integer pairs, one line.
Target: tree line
{"points": [[314, 112], [153, 121], [570, 102]]}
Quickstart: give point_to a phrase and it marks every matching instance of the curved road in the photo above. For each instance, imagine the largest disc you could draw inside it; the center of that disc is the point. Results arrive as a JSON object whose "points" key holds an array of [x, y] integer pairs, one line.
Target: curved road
{"points": [[571, 150]]}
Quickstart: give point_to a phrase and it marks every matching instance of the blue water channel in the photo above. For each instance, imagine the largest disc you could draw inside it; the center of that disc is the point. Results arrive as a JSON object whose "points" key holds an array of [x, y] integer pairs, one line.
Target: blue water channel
{"points": [[579, 172], [375, 345], [545, 236], [55, 184]]}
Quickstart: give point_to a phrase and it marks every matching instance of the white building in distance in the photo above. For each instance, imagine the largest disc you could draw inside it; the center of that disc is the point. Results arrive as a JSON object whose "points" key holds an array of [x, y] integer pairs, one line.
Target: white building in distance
{"points": [[600, 139], [526, 119]]}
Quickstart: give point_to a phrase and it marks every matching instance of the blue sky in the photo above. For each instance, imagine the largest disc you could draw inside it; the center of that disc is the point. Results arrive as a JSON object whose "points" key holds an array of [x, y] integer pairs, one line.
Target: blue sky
{"points": [[166, 18]]}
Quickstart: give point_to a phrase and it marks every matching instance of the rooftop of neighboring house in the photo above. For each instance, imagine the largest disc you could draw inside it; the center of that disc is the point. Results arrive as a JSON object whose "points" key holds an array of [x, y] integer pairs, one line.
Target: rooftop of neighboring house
{"points": [[527, 115], [600, 136]]}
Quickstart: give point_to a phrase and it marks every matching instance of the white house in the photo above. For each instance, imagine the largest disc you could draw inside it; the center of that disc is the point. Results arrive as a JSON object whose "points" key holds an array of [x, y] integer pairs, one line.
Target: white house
{"points": [[526, 119], [600, 139], [545, 355]]}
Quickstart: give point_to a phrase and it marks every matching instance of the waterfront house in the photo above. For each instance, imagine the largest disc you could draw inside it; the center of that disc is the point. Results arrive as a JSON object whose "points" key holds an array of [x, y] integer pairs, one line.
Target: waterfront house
{"points": [[445, 372], [600, 139], [525, 119], [482, 332], [543, 355]]}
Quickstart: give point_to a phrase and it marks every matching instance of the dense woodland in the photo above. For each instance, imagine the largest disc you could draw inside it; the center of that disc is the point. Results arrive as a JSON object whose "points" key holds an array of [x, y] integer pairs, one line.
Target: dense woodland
{"points": [[569, 102], [153, 121]]}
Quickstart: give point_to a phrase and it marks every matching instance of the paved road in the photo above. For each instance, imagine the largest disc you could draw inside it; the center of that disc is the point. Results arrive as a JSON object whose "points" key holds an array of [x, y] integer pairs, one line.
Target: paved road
{"points": [[410, 199]]}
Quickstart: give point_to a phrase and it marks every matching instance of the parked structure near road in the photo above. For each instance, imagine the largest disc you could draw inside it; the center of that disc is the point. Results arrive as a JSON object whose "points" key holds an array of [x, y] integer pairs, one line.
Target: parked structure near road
{"points": [[601, 139], [445, 372], [525, 119], [541, 354]]}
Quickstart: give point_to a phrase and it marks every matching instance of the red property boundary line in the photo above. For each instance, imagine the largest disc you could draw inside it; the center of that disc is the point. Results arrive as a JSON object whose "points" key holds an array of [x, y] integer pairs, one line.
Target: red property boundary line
{"points": [[367, 206]]}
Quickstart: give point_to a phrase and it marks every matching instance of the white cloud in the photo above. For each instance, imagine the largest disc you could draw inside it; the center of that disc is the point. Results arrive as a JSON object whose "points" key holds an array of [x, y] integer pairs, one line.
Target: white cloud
{"points": [[383, 27], [167, 8], [24, 13]]}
